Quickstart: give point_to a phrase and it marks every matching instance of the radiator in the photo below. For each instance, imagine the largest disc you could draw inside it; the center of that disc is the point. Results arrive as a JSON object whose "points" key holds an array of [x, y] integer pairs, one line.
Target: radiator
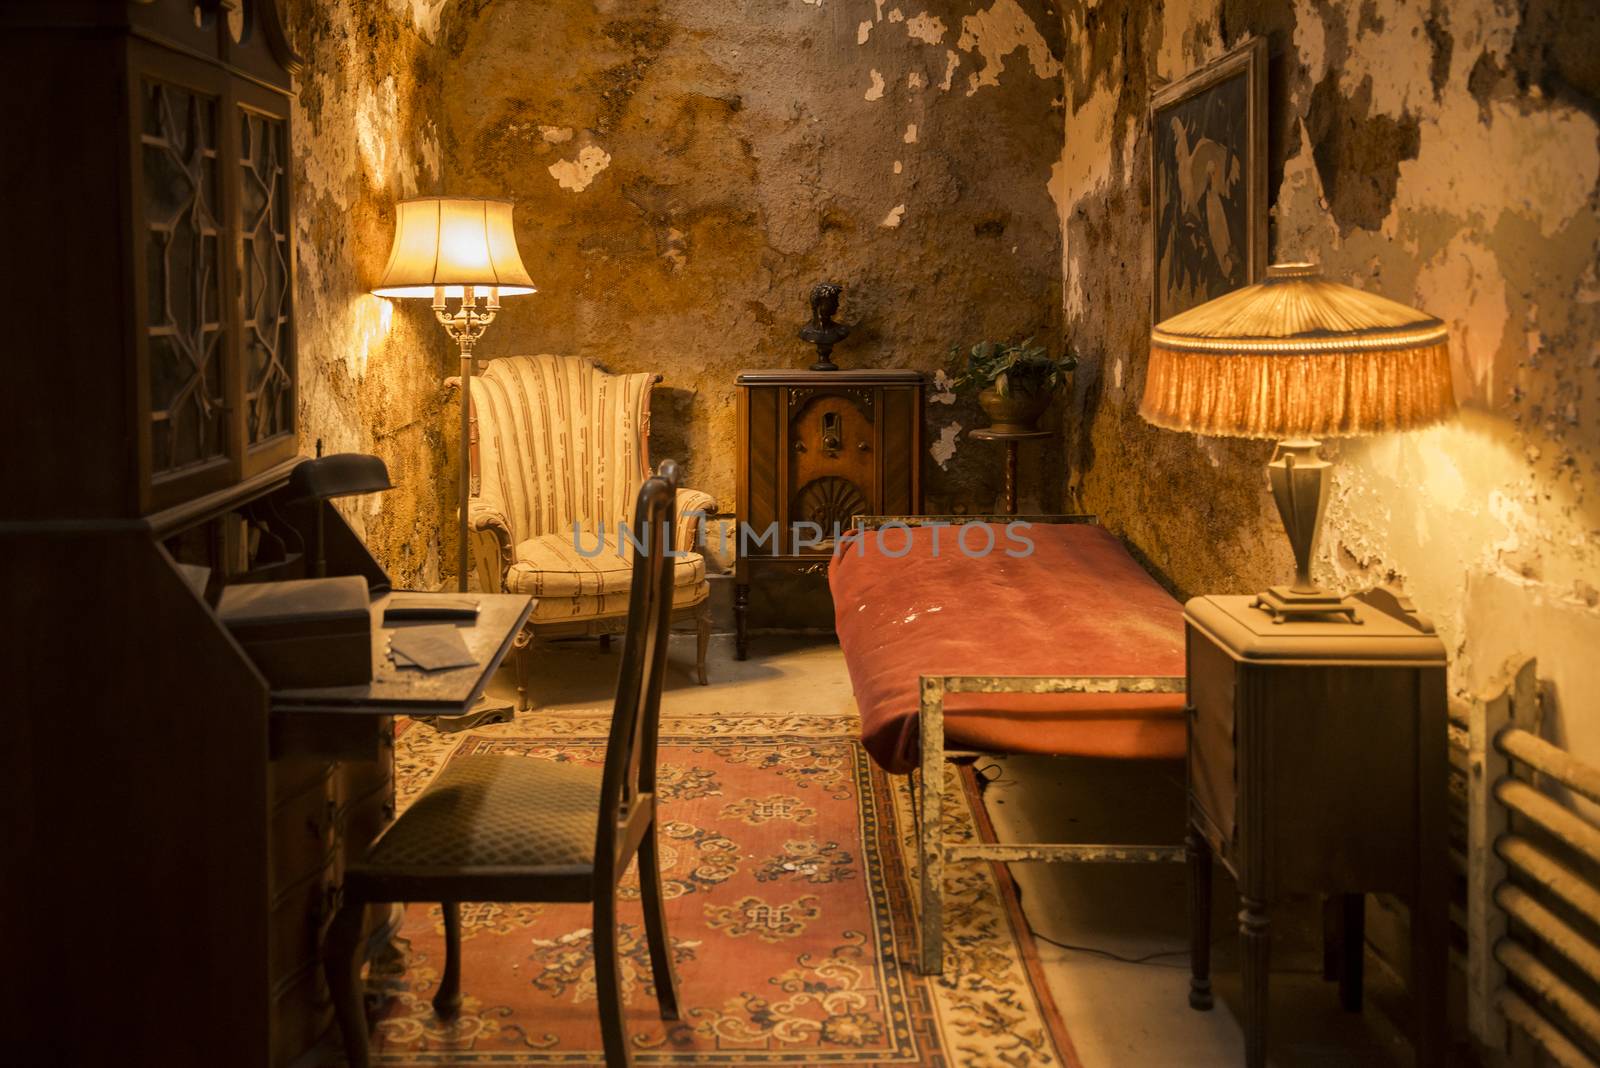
{"points": [[1533, 881]]}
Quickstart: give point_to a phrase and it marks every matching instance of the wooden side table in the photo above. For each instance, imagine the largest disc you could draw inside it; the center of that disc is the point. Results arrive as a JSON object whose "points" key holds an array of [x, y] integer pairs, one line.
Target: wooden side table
{"points": [[1012, 441], [1318, 762]]}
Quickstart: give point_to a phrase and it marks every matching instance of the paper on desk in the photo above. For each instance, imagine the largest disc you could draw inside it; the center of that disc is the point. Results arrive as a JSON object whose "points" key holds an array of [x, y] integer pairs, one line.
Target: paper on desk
{"points": [[430, 648]]}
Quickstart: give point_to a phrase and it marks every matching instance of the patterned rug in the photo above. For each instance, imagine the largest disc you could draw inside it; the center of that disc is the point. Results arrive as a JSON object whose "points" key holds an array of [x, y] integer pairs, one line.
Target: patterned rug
{"points": [[789, 868]]}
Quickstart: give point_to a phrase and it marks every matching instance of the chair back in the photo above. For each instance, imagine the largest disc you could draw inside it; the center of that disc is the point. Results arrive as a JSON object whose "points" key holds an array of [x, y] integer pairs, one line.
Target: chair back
{"points": [[630, 768], [557, 440]]}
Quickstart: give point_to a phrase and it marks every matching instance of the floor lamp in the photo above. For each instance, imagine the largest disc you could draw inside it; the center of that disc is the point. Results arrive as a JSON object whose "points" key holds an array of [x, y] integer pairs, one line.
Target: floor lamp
{"points": [[460, 249]]}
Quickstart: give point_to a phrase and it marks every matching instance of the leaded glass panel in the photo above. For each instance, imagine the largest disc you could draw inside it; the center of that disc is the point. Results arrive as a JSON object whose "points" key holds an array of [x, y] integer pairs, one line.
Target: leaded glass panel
{"points": [[185, 328], [264, 248]]}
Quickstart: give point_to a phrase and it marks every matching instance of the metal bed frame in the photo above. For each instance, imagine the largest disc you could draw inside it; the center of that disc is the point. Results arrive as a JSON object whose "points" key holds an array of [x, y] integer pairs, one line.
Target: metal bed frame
{"points": [[928, 781]]}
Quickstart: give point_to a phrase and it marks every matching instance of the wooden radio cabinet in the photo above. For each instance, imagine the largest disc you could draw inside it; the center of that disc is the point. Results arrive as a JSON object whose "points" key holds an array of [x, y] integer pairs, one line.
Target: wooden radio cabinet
{"points": [[815, 449]]}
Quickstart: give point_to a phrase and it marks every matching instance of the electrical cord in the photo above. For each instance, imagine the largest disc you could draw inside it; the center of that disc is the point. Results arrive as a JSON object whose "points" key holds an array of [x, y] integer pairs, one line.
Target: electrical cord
{"points": [[1149, 959], [991, 774]]}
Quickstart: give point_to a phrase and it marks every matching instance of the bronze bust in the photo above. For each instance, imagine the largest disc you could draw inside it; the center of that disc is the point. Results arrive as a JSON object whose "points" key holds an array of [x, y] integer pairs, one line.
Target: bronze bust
{"points": [[822, 331]]}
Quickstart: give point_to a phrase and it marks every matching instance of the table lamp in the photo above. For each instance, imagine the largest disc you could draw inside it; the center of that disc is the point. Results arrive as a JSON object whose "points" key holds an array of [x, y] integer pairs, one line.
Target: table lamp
{"points": [[461, 249], [1295, 358]]}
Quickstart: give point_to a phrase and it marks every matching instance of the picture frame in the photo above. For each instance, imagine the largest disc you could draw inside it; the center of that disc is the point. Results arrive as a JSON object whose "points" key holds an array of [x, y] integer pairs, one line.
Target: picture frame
{"points": [[1208, 181]]}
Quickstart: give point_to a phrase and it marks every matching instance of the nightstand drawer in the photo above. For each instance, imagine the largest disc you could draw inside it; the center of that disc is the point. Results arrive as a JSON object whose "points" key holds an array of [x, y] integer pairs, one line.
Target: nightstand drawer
{"points": [[1305, 747]]}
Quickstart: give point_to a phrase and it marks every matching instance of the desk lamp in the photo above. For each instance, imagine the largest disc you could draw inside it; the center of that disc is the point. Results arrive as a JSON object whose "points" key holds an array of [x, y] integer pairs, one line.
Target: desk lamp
{"points": [[344, 474], [1295, 358], [460, 249]]}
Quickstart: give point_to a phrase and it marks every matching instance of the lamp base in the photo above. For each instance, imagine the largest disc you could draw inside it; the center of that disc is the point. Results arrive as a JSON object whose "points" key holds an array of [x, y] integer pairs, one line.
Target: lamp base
{"points": [[1283, 604], [1299, 480]]}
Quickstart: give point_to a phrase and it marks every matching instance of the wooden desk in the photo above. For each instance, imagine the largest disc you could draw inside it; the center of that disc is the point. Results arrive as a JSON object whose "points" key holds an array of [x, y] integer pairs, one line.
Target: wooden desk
{"points": [[352, 722], [1318, 763]]}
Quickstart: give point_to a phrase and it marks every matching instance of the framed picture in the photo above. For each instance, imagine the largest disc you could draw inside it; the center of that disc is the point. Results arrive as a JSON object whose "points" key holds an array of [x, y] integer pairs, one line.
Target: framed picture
{"points": [[1208, 180]]}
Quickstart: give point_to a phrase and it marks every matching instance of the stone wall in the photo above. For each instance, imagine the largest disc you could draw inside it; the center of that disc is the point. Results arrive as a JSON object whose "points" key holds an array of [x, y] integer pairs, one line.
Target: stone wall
{"points": [[1445, 154], [366, 135], [685, 170]]}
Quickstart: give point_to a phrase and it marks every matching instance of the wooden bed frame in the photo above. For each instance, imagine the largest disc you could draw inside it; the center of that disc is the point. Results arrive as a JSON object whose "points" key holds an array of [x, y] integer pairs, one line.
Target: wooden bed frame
{"points": [[927, 782]]}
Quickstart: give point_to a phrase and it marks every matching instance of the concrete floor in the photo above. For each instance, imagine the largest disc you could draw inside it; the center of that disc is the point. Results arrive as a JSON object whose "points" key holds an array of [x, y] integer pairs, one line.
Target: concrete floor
{"points": [[1118, 1014]]}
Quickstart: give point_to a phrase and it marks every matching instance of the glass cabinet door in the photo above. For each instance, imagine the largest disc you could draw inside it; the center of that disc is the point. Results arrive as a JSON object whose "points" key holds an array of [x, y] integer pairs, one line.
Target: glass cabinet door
{"points": [[265, 264], [215, 238]]}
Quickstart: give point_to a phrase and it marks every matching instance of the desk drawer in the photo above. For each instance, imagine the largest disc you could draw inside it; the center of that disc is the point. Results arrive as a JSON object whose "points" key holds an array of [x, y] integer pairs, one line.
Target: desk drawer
{"points": [[299, 918], [303, 831], [302, 1013]]}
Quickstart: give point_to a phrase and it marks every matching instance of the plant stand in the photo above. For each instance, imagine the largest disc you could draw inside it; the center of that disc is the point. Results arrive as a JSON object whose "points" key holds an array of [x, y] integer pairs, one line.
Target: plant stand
{"points": [[1012, 441]]}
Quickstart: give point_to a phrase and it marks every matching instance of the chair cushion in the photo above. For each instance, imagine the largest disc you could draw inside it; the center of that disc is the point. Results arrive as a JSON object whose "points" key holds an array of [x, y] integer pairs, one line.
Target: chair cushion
{"points": [[489, 810], [571, 585]]}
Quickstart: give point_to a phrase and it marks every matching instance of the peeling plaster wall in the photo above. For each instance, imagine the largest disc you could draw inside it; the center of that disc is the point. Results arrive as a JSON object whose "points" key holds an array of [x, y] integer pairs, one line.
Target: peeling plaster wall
{"points": [[685, 170], [1446, 154], [366, 135]]}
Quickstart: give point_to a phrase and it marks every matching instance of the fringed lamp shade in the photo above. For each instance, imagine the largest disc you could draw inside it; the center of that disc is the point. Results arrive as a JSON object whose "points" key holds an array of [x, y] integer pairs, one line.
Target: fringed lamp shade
{"points": [[1298, 356]]}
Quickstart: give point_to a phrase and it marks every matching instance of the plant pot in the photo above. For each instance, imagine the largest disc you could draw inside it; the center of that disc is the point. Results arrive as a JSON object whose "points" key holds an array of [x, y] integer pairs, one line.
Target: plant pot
{"points": [[1014, 413]]}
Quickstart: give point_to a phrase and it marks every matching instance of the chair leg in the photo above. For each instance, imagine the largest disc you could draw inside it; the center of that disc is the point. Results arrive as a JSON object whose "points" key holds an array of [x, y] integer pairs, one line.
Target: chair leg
{"points": [[703, 638], [343, 972], [608, 980], [522, 656], [447, 1000], [605, 643], [655, 925]]}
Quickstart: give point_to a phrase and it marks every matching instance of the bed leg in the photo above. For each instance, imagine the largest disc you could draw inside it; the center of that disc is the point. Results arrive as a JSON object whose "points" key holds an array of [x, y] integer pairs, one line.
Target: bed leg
{"points": [[930, 832]]}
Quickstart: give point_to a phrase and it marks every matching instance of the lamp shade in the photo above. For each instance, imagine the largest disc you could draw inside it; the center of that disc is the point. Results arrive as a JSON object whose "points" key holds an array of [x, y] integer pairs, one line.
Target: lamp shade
{"points": [[453, 242], [1298, 356]]}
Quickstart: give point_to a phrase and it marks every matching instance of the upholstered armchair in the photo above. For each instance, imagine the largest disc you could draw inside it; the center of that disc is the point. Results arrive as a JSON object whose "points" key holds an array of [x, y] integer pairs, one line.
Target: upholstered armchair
{"points": [[559, 451]]}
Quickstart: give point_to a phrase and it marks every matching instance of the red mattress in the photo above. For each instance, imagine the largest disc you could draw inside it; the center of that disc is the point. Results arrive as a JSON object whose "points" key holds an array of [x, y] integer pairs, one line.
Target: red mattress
{"points": [[1077, 605]]}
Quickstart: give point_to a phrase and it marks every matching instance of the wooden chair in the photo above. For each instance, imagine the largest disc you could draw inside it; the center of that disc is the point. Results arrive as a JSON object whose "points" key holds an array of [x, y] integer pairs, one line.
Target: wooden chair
{"points": [[511, 828], [558, 448]]}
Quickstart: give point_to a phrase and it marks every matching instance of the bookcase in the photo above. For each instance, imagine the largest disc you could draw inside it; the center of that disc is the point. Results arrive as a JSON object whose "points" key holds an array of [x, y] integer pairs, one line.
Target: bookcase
{"points": [[150, 233], [171, 859]]}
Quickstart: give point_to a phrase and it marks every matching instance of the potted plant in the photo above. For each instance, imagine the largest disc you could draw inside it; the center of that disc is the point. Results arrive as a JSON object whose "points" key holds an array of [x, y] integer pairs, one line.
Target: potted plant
{"points": [[1015, 381]]}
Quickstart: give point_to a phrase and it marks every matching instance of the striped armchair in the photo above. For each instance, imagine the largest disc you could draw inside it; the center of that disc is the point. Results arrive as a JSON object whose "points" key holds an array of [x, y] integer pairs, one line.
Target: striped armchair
{"points": [[560, 445]]}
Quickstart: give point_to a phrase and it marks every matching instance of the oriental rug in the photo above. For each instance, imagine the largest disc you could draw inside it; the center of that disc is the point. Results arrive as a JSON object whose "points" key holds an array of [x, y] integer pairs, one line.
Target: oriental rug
{"points": [[789, 868]]}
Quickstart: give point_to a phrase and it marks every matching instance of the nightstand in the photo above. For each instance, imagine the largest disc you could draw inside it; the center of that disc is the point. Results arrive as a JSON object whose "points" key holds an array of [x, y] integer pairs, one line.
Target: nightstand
{"points": [[1318, 763]]}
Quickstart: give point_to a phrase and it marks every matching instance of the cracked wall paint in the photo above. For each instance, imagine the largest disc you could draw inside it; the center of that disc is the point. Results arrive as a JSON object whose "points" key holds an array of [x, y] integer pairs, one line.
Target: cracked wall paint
{"points": [[746, 165], [366, 136], [576, 174], [943, 448], [995, 34], [1490, 522], [929, 29]]}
